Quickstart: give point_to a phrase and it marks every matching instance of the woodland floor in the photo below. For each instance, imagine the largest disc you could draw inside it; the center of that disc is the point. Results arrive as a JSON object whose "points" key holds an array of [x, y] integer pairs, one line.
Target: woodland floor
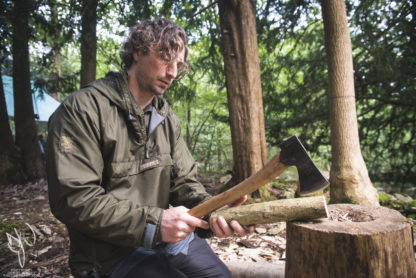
{"points": [[48, 255]]}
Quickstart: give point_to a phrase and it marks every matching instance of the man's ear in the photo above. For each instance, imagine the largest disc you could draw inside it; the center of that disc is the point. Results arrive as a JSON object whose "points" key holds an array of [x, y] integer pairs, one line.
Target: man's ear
{"points": [[136, 56]]}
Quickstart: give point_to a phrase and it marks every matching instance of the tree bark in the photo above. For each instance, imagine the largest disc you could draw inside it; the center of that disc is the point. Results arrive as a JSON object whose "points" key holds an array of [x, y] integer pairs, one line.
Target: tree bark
{"points": [[242, 71], [26, 132], [10, 167], [355, 241], [348, 176], [275, 211], [88, 41]]}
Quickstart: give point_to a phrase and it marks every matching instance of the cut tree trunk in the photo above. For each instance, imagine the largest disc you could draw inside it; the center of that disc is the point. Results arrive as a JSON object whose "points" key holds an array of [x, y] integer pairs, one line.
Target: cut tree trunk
{"points": [[355, 241], [275, 211]]}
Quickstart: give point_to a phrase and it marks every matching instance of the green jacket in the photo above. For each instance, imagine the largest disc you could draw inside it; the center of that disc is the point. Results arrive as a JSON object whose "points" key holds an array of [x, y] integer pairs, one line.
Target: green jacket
{"points": [[110, 179]]}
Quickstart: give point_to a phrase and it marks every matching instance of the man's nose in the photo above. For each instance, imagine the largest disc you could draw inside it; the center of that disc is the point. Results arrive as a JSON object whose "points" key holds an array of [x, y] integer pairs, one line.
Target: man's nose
{"points": [[172, 70]]}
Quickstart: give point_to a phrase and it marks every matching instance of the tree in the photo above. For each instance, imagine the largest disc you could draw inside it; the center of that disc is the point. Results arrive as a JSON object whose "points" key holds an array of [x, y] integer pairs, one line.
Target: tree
{"points": [[348, 176], [26, 133], [88, 41], [10, 167], [294, 82], [242, 71]]}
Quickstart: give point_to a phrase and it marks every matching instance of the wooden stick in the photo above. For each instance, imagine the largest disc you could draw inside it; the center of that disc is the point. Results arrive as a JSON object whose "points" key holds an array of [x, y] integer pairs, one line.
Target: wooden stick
{"points": [[276, 211]]}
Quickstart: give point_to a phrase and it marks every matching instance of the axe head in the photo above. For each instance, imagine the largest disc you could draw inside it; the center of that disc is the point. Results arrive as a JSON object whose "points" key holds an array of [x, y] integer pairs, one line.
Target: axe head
{"points": [[294, 153]]}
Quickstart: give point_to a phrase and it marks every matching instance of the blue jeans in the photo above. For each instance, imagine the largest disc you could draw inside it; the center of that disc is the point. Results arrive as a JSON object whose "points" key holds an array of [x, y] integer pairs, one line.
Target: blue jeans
{"points": [[192, 258]]}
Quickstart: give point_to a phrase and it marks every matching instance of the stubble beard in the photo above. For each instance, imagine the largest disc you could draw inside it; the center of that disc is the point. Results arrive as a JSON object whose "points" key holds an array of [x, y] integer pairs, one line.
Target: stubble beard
{"points": [[158, 90]]}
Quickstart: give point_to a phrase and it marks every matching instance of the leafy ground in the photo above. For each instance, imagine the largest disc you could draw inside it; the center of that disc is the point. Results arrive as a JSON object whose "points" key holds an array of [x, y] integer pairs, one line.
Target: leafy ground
{"points": [[42, 242], [45, 243], [47, 257]]}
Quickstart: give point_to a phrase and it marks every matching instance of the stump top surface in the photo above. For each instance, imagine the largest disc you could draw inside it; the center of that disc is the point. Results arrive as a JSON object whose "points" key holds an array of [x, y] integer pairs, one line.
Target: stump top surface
{"points": [[356, 219]]}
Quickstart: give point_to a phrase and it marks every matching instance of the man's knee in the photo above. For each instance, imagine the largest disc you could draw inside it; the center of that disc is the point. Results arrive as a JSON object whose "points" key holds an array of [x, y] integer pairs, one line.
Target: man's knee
{"points": [[201, 261]]}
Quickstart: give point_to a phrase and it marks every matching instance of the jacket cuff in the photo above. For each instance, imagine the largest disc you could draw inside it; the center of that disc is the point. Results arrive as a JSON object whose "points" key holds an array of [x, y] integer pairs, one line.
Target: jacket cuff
{"points": [[152, 233]]}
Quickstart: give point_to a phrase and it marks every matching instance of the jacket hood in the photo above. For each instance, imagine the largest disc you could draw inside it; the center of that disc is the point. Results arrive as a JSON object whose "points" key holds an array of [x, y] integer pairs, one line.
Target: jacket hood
{"points": [[114, 86]]}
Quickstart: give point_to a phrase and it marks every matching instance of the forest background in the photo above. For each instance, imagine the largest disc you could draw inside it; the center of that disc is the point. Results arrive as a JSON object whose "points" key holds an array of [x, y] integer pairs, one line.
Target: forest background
{"points": [[294, 75]]}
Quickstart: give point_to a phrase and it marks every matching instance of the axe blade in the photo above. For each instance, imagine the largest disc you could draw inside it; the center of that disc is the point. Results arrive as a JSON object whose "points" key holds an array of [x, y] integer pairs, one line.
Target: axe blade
{"points": [[310, 178]]}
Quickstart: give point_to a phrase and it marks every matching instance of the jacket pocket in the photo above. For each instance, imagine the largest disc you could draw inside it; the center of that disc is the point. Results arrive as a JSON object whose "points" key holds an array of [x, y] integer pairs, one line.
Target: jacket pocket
{"points": [[125, 174], [162, 160], [124, 168]]}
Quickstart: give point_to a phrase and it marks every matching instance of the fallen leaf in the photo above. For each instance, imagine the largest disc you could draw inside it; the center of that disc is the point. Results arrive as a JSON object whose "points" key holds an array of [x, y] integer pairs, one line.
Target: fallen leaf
{"points": [[45, 229]]}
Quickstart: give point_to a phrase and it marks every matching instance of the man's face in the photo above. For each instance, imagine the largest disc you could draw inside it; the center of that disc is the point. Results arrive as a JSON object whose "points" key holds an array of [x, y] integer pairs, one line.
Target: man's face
{"points": [[153, 74]]}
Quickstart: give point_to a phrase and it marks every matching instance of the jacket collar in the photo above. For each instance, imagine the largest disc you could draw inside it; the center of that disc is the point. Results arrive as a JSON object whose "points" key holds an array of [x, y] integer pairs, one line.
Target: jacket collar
{"points": [[115, 87], [155, 120]]}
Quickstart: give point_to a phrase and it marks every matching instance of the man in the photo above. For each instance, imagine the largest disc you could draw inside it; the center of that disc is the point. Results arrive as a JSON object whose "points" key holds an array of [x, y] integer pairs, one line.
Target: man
{"points": [[120, 175]]}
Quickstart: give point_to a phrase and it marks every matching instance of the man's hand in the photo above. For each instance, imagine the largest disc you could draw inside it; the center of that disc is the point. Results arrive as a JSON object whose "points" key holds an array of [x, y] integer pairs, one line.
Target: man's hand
{"points": [[177, 224], [221, 228]]}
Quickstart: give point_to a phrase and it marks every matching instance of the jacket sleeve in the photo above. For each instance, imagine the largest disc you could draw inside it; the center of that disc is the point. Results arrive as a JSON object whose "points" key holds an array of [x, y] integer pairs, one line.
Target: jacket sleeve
{"points": [[186, 190], [75, 169]]}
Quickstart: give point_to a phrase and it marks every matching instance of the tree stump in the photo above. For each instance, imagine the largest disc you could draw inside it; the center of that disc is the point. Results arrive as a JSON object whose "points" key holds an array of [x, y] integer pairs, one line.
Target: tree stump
{"points": [[355, 241]]}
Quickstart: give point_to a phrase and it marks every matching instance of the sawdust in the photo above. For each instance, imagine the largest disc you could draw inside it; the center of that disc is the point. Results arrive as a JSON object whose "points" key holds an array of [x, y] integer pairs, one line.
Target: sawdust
{"points": [[357, 215]]}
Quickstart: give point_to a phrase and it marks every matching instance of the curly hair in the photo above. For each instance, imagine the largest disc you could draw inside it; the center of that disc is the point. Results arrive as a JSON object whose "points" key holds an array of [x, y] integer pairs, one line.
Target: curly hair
{"points": [[160, 34]]}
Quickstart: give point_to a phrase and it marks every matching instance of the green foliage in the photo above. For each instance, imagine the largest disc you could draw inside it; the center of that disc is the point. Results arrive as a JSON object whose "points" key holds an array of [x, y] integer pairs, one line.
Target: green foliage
{"points": [[293, 77], [54, 24], [202, 108], [13, 228], [293, 72], [200, 98], [8, 227], [294, 80], [347, 200], [385, 66], [384, 198], [402, 204], [278, 184], [108, 58], [265, 196]]}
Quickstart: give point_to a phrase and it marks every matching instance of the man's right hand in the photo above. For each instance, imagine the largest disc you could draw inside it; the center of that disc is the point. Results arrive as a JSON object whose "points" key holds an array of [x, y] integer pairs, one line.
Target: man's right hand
{"points": [[177, 224]]}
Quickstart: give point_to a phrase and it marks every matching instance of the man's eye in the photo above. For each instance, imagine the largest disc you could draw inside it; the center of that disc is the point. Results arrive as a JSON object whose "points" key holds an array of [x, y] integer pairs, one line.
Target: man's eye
{"points": [[181, 66]]}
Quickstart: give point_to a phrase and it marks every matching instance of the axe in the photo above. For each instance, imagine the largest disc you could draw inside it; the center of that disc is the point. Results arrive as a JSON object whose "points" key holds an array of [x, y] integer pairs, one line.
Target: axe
{"points": [[292, 153]]}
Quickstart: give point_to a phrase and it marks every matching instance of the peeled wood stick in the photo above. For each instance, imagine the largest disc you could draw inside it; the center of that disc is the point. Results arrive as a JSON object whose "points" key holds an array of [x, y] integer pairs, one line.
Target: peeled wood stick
{"points": [[275, 211], [271, 170]]}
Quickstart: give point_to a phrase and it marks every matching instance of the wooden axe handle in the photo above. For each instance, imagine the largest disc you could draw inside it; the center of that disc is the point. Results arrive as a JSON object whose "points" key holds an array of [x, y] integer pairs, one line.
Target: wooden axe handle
{"points": [[271, 170]]}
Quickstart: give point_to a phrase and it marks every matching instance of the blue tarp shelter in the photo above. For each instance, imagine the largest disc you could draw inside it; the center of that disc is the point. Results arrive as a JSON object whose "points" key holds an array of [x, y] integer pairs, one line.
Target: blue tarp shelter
{"points": [[43, 104]]}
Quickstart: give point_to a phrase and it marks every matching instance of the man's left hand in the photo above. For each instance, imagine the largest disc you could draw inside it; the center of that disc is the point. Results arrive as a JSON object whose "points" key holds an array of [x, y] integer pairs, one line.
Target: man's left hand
{"points": [[221, 228]]}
